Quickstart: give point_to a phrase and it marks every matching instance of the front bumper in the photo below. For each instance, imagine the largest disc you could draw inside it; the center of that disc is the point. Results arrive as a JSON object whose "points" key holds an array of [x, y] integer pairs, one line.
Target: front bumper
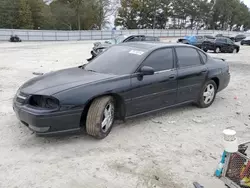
{"points": [[44, 122]]}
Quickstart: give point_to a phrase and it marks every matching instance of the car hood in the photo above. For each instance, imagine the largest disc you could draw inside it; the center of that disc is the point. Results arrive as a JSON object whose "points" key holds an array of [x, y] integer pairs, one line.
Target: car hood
{"points": [[55, 82]]}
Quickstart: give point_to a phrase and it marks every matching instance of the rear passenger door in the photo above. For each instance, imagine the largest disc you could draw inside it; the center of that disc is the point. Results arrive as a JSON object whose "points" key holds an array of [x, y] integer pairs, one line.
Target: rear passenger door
{"points": [[191, 73], [230, 45], [221, 43]]}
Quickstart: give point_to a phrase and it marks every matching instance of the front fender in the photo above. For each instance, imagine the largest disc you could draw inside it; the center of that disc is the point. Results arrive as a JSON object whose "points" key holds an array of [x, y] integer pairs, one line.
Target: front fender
{"points": [[81, 95]]}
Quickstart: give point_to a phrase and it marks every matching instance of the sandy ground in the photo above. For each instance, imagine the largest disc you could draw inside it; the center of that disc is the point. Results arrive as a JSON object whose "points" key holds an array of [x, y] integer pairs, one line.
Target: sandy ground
{"points": [[170, 149]]}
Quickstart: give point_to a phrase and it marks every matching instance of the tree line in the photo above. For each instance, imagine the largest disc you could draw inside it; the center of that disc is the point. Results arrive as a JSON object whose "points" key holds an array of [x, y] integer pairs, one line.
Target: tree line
{"points": [[193, 14], [60, 14], [132, 14]]}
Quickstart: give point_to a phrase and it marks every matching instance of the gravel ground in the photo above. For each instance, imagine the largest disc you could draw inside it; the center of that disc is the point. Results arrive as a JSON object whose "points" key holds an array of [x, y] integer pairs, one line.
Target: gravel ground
{"points": [[170, 149]]}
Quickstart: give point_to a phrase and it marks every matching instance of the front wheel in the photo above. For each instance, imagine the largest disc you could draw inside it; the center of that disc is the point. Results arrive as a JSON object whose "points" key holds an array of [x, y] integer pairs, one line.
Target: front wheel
{"points": [[207, 94], [235, 51], [100, 117]]}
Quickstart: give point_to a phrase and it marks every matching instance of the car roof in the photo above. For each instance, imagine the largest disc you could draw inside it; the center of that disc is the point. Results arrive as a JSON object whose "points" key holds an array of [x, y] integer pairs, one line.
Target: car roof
{"points": [[149, 46], [135, 35], [222, 38]]}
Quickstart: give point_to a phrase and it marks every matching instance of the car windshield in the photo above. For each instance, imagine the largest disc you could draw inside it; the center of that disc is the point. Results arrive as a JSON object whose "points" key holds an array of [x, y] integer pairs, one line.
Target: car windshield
{"points": [[117, 60], [118, 39]]}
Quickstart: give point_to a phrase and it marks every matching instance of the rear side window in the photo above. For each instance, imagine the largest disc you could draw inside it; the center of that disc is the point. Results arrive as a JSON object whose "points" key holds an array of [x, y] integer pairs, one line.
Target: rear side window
{"points": [[161, 59], [187, 57], [203, 56], [136, 38], [221, 40], [150, 38], [229, 41]]}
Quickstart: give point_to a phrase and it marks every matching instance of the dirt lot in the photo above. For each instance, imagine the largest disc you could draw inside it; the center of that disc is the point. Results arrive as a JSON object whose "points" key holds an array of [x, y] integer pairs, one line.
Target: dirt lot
{"points": [[170, 149]]}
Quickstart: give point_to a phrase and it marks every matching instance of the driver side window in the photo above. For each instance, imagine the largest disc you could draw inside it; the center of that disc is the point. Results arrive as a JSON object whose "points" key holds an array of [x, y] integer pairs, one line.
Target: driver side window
{"points": [[161, 59]]}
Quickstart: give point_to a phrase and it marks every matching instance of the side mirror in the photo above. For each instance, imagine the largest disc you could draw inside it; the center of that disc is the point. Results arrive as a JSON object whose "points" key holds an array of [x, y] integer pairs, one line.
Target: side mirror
{"points": [[145, 70]]}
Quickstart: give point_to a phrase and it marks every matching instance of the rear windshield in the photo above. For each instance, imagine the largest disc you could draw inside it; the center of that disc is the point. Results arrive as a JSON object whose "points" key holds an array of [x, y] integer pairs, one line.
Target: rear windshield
{"points": [[117, 60]]}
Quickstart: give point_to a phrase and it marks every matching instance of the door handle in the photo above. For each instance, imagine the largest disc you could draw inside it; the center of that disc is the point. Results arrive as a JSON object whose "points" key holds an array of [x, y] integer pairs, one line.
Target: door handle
{"points": [[204, 71], [172, 77]]}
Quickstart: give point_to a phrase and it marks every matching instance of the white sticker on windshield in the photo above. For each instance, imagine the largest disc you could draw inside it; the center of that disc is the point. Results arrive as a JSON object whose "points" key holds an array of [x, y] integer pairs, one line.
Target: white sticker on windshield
{"points": [[136, 52]]}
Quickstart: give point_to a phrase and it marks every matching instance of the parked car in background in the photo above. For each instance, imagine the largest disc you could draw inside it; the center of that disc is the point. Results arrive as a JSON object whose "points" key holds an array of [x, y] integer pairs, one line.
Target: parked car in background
{"points": [[14, 38], [225, 36], [221, 44], [245, 41], [238, 38], [195, 40], [100, 47], [127, 80]]}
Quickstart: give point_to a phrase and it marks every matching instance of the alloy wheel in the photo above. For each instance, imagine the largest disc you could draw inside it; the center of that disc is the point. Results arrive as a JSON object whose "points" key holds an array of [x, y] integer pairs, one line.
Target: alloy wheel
{"points": [[208, 94], [217, 50], [108, 117]]}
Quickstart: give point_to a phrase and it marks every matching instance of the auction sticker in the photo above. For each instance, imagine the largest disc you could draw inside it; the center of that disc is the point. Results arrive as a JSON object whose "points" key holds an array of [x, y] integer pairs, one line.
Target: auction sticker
{"points": [[136, 52]]}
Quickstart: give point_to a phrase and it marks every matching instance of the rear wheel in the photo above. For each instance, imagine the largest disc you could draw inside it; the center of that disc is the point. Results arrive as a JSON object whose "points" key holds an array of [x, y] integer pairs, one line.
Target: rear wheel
{"points": [[100, 117], [207, 94]]}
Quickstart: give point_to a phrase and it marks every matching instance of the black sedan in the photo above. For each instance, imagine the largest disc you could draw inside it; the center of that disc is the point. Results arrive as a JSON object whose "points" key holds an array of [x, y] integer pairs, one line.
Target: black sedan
{"points": [[125, 81], [238, 38], [100, 47], [221, 44], [245, 41]]}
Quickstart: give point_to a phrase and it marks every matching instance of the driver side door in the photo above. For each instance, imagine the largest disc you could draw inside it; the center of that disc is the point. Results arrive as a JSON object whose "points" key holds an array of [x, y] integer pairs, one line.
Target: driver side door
{"points": [[157, 91]]}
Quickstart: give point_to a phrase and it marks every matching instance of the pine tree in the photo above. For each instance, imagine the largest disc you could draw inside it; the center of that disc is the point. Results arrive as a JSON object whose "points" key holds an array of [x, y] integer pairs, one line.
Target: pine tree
{"points": [[36, 7], [25, 16], [8, 14]]}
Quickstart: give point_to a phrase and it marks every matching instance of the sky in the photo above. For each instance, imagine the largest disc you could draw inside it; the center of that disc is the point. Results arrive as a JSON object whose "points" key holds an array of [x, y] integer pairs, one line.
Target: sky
{"points": [[247, 2]]}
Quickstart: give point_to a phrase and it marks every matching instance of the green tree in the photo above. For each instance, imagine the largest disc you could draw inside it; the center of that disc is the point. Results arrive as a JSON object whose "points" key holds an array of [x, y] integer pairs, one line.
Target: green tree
{"points": [[8, 13], [25, 16], [143, 14], [127, 14], [36, 7], [103, 10], [63, 15], [49, 20]]}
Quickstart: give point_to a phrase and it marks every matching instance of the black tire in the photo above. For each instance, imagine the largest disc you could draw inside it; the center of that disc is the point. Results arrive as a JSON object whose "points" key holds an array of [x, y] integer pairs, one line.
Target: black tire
{"points": [[201, 102], [95, 117], [205, 50]]}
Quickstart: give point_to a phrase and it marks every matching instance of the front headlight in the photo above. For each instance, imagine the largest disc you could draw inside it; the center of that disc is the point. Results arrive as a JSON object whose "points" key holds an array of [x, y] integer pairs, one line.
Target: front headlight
{"points": [[47, 102]]}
